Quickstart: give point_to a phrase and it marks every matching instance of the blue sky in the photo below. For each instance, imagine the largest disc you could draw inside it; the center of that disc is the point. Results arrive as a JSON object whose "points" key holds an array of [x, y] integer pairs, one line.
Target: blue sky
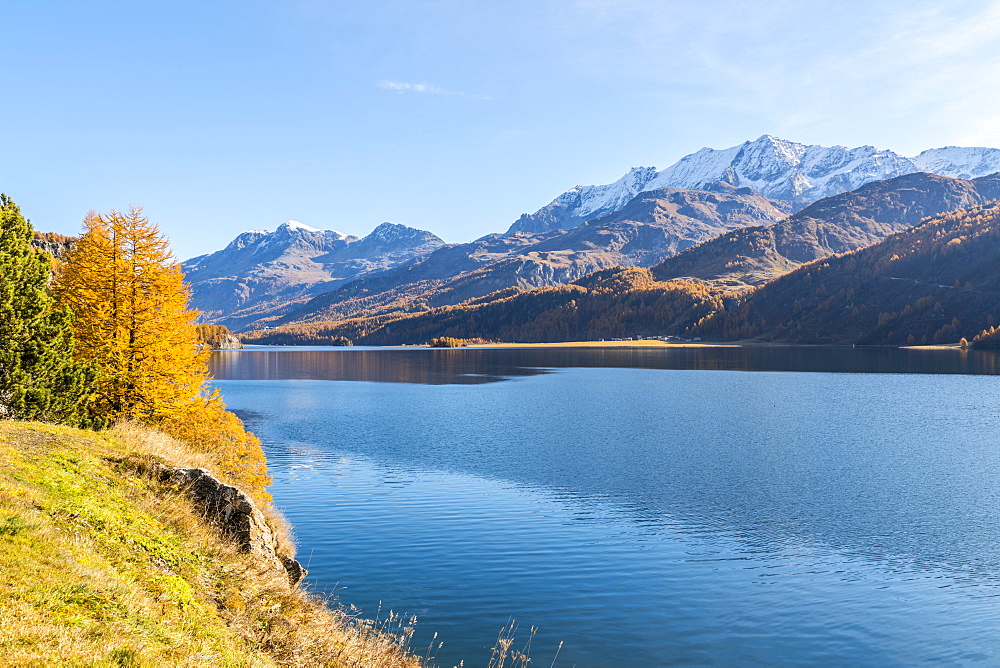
{"points": [[452, 116]]}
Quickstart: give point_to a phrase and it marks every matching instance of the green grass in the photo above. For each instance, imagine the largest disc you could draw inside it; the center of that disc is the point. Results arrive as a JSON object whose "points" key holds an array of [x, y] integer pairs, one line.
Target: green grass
{"points": [[103, 566]]}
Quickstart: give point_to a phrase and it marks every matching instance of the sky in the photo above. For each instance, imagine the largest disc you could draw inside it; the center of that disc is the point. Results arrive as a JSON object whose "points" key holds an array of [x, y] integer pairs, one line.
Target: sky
{"points": [[454, 116]]}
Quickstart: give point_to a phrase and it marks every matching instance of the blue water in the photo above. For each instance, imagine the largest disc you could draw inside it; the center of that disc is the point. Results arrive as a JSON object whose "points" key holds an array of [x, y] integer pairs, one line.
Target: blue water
{"points": [[643, 516]]}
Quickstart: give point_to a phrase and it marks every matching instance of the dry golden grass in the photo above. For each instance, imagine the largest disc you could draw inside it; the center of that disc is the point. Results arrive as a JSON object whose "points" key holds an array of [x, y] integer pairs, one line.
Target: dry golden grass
{"points": [[104, 566], [152, 445]]}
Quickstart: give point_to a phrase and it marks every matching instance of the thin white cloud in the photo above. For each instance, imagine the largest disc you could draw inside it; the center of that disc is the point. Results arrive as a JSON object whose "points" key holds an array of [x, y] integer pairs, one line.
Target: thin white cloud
{"points": [[404, 87], [900, 69]]}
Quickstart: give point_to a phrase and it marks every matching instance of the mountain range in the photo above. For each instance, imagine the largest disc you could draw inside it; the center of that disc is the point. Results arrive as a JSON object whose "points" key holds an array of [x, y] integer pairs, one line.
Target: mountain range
{"points": [[262, 272], [653, 226], [754, 255], [776, 168], [936, 282], [757, 201]]}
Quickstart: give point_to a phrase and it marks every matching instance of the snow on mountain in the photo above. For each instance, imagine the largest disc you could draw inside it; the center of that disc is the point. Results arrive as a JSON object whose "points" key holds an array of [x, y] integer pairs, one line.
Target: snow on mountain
{"points": [[584, 203], [262, 272], [777, 168], [964, 163], [785, 170], [593, 201], [296, 225]]}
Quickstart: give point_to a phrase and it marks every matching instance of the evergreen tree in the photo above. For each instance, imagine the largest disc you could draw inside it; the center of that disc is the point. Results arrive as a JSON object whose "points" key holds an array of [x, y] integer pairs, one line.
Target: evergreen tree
{"points": [[127, 292], [38, 378]]}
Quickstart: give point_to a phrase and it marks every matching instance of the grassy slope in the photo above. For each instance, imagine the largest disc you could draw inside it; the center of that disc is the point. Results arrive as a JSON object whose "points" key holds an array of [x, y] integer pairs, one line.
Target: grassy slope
{"points": [[104, 566]]}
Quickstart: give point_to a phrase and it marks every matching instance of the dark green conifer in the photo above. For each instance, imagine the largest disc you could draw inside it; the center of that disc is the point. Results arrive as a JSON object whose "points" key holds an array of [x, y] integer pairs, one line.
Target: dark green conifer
{"points": [[38, 378]]}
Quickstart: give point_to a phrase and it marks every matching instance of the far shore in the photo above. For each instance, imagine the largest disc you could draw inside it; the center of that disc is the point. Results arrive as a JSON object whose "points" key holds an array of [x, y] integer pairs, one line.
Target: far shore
{"points": [[645, 343], [651, 343]]}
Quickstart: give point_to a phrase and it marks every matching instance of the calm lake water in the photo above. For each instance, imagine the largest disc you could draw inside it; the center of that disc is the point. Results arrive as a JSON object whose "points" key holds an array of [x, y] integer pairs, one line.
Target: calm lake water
{"points": [[645, 506]]}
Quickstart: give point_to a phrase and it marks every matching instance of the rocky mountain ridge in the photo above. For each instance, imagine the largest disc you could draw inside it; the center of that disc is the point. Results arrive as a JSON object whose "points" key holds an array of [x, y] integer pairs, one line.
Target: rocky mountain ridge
{"points": [[648, 229], [300, 274], [753, 255], [263, 272], [778, 169]]}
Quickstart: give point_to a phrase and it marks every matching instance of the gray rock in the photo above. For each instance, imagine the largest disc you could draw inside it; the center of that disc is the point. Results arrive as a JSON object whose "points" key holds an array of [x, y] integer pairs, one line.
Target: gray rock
{"points": [[235, 515], [228, 342]]}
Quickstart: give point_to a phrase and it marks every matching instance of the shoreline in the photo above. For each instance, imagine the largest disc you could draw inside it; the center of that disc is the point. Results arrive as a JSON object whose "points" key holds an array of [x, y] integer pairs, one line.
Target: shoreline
{"points": [[650, 343], [699, 344]]}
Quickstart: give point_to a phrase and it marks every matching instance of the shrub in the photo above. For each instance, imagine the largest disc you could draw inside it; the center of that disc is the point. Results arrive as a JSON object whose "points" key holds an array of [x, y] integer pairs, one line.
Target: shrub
{"points": [[211, 429]]}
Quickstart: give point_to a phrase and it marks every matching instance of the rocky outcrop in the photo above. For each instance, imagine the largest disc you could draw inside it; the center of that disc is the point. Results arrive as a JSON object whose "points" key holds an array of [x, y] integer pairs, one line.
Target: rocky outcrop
{"points": [[235, 515], [217, 337], [228, 342], [56, 245]]}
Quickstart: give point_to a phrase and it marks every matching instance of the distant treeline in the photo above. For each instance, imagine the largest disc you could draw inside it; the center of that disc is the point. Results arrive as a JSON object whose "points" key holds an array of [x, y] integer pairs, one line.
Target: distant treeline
{"points": [[612, 303], [296, 335]]}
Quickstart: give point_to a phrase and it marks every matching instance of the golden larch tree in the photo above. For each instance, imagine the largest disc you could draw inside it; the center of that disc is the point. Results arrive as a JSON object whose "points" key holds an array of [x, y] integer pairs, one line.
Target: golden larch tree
{"points": [[133, 322], [130, 301]]}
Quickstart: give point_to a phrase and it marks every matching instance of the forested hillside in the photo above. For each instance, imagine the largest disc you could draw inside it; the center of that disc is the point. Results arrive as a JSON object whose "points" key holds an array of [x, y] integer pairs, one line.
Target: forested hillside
{"points": [[753, 255], [612, 303], [935, 283]]}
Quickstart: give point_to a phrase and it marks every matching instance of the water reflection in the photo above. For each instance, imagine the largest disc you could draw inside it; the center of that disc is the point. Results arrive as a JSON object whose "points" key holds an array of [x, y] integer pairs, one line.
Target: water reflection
{"points": [[650, 517], [426, 367], [471, 366]]}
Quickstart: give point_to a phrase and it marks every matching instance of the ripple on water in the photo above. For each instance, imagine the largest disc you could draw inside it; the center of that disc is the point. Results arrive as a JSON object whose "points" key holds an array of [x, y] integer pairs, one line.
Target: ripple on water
{"points": [[648, 517]]}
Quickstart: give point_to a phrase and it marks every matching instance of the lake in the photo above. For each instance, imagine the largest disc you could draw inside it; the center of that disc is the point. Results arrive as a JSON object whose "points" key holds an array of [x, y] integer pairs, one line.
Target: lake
{"points": [[645, 506]]}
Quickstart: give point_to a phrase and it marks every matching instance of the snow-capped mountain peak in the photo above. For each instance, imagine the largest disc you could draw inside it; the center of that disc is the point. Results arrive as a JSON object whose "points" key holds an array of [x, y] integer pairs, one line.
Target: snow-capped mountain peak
{"points": [[388, 231], [775, 167], [782, 169], [396, 236], [964, 163], [296, 226]]}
